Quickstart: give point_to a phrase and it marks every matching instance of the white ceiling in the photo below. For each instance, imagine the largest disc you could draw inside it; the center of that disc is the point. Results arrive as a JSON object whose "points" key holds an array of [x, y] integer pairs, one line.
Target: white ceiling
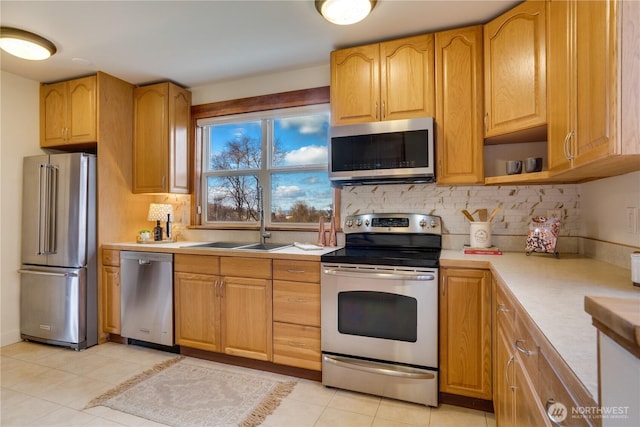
{"points": [[194, 43]]}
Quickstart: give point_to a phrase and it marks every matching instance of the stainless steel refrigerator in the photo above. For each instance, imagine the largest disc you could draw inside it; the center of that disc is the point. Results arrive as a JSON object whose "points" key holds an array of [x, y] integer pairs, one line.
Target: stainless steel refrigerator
{"points": [[58, 278]]}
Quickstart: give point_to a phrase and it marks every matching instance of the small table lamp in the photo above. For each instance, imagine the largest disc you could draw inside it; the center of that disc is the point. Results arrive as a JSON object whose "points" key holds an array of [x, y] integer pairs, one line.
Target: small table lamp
{"points": [[160, 212]]}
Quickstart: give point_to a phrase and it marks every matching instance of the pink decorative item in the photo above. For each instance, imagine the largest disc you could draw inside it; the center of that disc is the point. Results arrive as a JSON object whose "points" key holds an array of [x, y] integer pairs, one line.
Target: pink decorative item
{"points": [[322, 241], [543, 235], [333, 238]]}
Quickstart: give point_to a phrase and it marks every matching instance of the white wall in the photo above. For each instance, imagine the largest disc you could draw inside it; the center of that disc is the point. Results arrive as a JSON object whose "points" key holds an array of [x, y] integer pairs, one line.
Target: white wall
{"points": [[305, 78], [19, 123]]}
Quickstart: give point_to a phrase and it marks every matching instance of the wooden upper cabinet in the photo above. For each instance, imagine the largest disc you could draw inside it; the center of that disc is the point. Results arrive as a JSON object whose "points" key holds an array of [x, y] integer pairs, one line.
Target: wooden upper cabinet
{"points": [[407, 78], [515, 70], [459, 106], [68, 113], [383, 81], [592, 54], [162, 116], [355, 85]]}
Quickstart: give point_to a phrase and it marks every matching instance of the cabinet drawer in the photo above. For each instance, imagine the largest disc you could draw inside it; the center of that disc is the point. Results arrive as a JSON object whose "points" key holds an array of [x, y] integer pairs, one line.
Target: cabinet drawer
{"points": [[111, 257], [528, 349], [260, 268], [551, 389], [299, 271], [505, 309], [296, 302], [296, 345], [197, 264]]}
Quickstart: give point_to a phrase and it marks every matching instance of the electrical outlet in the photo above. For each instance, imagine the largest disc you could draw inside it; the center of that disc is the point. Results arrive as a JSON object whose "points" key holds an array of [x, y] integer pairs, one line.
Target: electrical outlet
{"points": [[632, 220], [554, 213]]}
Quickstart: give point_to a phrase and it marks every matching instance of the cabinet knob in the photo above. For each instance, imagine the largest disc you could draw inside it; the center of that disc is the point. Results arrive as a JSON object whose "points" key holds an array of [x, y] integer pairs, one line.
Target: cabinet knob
{"points": [[501, 308]]}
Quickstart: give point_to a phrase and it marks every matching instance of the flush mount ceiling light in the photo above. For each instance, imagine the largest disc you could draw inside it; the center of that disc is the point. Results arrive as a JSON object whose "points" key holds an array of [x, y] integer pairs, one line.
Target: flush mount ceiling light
{"points": [[25, 45], [345, 12]]}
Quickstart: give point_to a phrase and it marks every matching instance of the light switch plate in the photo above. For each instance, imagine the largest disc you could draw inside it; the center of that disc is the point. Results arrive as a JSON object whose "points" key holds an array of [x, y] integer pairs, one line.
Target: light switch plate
{"points": [[632, 220]]}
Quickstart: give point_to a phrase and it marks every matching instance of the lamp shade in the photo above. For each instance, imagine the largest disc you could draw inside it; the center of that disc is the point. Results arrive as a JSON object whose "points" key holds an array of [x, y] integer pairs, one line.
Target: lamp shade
{"points": [[25, 45], [345, 12], [159, 212]]}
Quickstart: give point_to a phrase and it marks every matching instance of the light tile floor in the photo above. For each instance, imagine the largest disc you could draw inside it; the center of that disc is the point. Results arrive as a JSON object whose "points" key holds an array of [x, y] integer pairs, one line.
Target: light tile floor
{"points": [[49, 386]]}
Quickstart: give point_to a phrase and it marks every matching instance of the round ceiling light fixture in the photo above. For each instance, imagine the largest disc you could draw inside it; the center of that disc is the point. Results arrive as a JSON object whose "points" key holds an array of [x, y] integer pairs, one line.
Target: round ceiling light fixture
{"points": [[25, 45], [345, 12]]}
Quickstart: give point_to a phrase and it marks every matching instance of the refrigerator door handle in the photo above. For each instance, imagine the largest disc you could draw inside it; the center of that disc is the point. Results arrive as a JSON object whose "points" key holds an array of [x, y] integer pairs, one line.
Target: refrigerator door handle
{"points": [[45, 273], [47, 206]]}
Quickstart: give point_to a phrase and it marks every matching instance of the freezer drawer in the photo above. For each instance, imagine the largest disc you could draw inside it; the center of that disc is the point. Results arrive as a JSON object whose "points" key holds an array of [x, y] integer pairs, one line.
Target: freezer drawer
{"points": [[146, 283], [56, 303]]}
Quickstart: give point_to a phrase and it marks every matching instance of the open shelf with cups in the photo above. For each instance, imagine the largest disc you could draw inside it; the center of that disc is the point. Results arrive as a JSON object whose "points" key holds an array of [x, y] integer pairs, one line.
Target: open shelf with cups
{"points": [[496, 157]]}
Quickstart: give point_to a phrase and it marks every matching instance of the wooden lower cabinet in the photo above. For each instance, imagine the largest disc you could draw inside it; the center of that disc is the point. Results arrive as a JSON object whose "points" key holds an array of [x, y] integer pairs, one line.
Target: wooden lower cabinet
{"points": [[465, 332], [529, 375], [197, 317], [246, 317], [111, 291], [296, 314]]}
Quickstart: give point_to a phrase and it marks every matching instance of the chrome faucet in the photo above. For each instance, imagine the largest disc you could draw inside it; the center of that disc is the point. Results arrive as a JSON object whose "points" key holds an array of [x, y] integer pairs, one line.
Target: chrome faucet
{"points": [[263, 233]]}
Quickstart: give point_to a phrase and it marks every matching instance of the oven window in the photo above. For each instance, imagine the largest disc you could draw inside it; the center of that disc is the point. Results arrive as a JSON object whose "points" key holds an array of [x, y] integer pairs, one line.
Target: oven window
{"points": [[378, 315]]}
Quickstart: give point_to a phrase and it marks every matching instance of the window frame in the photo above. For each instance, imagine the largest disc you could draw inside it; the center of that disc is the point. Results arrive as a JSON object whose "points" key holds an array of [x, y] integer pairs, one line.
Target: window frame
{"points": [[298, 98]]}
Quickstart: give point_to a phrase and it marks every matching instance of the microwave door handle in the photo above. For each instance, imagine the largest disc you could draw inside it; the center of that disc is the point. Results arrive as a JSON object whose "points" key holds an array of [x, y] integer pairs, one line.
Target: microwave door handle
{"points": [[379, 275]]}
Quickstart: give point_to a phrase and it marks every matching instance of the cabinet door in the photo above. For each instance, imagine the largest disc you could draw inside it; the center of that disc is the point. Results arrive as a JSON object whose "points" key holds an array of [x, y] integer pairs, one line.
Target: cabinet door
{"points": [[406, 78], [179, 123], [465, 333], [53, 114], [459, 106], [247, 317], [197, 311], [111, 299], [82, 110], [529, 411], [355, 85], [504, 402], [596, 44], [515, 70], [561, 97], [150, 139]]}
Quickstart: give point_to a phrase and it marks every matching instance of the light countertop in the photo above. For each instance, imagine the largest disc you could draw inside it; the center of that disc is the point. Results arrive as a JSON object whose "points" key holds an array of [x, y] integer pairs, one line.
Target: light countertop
{"points": [[553, 292], [183, 247]]}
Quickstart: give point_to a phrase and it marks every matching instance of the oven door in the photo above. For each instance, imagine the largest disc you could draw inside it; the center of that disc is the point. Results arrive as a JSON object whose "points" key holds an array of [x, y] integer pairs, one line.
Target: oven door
{"points": [[382, 313]]}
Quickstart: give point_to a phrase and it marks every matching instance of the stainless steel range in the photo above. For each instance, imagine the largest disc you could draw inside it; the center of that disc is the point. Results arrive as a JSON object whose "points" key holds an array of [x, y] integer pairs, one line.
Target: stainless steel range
{"points": [[380, 307]]}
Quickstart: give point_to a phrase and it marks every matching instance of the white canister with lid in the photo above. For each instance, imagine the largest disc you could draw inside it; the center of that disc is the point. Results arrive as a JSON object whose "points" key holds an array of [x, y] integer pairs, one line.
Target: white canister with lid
{"points": [[480, 234]]}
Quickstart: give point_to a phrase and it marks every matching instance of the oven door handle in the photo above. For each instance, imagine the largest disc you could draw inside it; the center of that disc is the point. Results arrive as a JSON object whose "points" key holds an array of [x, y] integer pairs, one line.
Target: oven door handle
{"points": [[376, 368], [379, 275]]}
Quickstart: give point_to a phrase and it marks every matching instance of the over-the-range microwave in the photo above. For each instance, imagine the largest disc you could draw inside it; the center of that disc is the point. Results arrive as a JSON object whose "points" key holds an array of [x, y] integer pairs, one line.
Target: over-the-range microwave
{"points": [[385, 152]]}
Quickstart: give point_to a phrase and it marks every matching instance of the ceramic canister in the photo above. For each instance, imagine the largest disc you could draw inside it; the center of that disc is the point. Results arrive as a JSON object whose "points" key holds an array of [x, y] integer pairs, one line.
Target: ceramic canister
{"points": [[480, 234]]}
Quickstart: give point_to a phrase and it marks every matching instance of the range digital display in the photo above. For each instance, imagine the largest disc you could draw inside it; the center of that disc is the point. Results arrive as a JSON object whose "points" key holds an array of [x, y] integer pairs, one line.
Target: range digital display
{"points": [[390, 222]]}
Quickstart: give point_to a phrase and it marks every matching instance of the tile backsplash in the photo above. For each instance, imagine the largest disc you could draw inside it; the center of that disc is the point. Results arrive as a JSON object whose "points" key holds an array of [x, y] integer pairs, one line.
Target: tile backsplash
{"points": [[518, 204]]}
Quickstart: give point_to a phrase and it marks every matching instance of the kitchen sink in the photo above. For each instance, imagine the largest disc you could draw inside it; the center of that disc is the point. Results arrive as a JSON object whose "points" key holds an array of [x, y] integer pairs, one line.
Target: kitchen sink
{"points": [[241, 245], [220, 245], [265, 246]]}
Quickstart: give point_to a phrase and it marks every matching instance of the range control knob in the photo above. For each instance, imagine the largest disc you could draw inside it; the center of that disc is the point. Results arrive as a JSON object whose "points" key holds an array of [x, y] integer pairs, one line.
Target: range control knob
{"points": [[366, 222], [358, 222], [349, 223], [433, 223], [423, 223]]}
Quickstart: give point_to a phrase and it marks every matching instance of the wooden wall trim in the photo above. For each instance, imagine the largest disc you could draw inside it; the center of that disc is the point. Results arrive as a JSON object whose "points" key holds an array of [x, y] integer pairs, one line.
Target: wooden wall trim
{"points": [[295, 98]]}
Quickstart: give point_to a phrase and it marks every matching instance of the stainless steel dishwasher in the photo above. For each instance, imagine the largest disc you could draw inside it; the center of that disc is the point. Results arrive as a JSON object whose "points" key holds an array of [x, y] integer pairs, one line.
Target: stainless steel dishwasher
{"points": [[147, 296]]}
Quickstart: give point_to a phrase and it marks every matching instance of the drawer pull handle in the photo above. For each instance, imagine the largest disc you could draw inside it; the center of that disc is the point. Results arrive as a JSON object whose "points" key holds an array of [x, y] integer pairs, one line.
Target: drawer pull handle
{"points": [[506, 374], [502, 308], [297, 344], [522, 349], [297, 300], [290, 270]]}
